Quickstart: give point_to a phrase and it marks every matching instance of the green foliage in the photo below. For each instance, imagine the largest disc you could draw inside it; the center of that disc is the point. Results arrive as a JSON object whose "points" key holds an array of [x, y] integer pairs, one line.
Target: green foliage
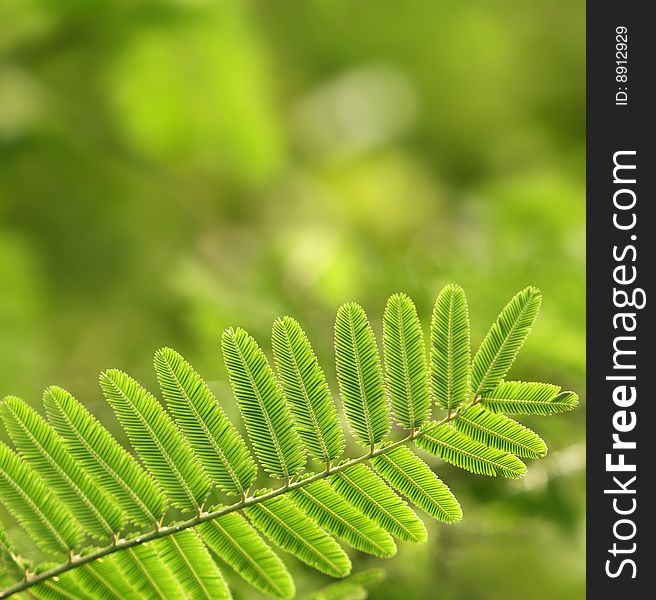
{"points": [[405, 362], [528, 398], [187, 556], [499, 432], [504, 340], [216, 442], [266, 414], [235, 542], [293, 531], [360, 375], [158, 442], [464, 452], [355, 587], [450, 348], [103, 580], [365, 490], [413, 478], [72, 484], [112, 468], [307, 391], [49, 524], [331, 512], [150, 575], [38, 443]]}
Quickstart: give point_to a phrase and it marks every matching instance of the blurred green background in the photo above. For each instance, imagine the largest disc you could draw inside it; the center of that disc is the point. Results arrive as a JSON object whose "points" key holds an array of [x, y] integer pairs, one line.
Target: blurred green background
{"points": [[170, 168]]}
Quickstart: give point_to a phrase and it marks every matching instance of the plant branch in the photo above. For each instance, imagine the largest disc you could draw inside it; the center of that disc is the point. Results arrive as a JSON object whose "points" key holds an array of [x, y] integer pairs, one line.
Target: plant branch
{"points": [[202, 517]]}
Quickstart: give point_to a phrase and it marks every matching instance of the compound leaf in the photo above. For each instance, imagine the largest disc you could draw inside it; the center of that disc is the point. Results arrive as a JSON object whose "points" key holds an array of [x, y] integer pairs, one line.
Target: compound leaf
{"points": [[330, 511], [48, 522], [111, 467], [38, 442], [235, 542]]}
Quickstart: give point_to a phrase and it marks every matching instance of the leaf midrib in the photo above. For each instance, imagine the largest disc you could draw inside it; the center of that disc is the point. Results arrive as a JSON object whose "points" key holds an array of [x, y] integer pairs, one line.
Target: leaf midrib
{"points": [[406, 371], [103, 580], [191, 567], [165, 531], [144, 570]]}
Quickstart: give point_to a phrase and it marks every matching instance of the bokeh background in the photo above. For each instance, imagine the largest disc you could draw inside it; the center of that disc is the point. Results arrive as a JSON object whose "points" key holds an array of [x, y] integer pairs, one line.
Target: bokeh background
{"points": [[169, 168]]}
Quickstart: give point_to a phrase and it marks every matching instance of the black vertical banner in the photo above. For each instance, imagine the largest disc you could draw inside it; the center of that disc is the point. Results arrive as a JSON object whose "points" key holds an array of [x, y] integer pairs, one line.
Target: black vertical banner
{"points": [[621, 171]]}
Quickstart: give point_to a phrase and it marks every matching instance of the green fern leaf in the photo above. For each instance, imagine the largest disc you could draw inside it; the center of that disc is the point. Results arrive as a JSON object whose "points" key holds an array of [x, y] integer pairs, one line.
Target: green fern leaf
{"points": [[38, 442], [110, 466], [360, 376], [413, 478], [450, 348], [330, 511], [235, 542], [157, 440], [499, 432], [144, 567], [405, 362], [287, 527], [27, 498], [187, 557], [216, 442], [528, 398], [266, 413], [305, 388], [461, 451], [367, 492], [71, 478], [503, 341]]}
